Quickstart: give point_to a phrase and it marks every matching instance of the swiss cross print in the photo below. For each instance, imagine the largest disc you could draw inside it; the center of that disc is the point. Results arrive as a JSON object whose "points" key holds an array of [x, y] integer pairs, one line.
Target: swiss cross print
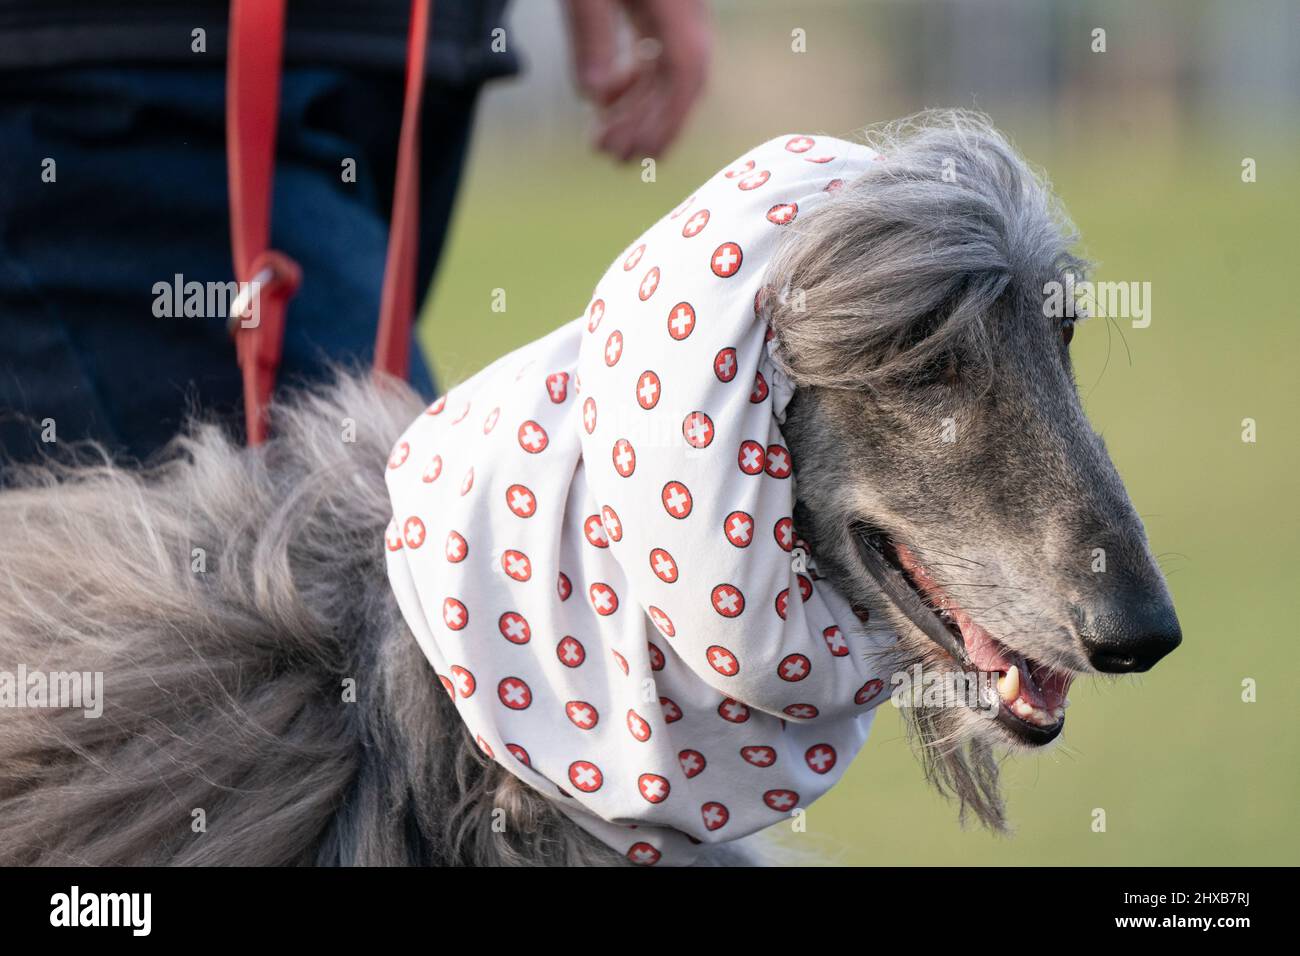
{"points": [[637, 726], [467, 482], [613, 526], [649, 283], [739, 528], [620, 660], [393, 537], [799, 144], [783, 532], [759, 756], [490, 422], [805, 587], [603, 599], [722, 660], [686, 204], [677, 499], [633, 258], [801, 711], [793, 667], [454, 614], [557, 386], [484, 746], [696, 223], [448, 686], [516, 565], [456, 547], [738, 171], [653, 787], [400, 453], [755, 179], [783, 213], [563, 586], [462, 414], [681, 320], [692, 763], [733, 711], [820, 758], [532, 437], [594, 530], [697, 429], [413, 532], [751, 457], [582, 714], [781, 800], [521, 500], [432, 470], [514, 693], [726, 260], [595, 314], [663, 565], [662, 621], [724, 365], [589, 415], [656, 657], [818, 159], [783, 603], [514, 628], [585, 776], [715, 815], [672, 713], [835, 642], [438, 405], [624, 456], [868, 692], [728, 601], [520, 754], [760, 391], [834, 185], [647, 390], [778, 461], [570, 652], [613, 348], [643, 854], [463, 681]]}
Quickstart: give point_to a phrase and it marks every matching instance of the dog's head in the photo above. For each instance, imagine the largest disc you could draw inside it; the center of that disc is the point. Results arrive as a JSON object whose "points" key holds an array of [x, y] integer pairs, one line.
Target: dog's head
{"points": [[947, 475]]}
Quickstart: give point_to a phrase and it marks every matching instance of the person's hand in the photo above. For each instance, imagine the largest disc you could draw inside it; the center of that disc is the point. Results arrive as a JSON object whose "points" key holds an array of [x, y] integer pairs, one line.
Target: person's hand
{"points": [[643, 95]]}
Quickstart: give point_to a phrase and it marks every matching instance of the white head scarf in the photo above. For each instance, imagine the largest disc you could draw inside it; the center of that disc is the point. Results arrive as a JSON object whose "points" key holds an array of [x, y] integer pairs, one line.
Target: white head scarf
{"points": [[592, 541]]}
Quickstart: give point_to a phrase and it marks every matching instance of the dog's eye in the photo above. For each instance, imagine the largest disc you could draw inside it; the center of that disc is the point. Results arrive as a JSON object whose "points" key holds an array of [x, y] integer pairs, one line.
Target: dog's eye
{"points": [[1067, 332]]}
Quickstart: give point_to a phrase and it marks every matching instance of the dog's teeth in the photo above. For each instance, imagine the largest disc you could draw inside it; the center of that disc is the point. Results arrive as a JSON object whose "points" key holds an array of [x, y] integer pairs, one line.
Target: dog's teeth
{"points": [[1058, 713], [1022, 708], [1009, 685]]}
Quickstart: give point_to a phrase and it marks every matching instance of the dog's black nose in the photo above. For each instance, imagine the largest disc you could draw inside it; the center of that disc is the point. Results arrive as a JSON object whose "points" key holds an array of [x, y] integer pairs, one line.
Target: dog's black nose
{"points": [[1130, 632]]}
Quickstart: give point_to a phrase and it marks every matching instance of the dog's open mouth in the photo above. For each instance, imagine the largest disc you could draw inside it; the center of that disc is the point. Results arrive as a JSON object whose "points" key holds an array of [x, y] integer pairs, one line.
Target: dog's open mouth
{"points": [[1032, 694]]}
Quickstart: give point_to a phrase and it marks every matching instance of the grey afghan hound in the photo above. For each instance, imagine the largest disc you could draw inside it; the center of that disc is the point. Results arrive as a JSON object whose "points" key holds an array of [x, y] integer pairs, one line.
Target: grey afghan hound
{"points": [[264, 702]]}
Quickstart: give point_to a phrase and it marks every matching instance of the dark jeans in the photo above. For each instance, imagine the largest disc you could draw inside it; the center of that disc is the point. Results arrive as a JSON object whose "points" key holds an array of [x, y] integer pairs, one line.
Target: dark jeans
{"points": [[140, 196]]}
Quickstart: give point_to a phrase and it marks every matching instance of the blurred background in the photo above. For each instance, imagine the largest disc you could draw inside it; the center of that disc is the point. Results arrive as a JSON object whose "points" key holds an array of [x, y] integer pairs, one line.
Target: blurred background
{"points": [[1145, 143]]}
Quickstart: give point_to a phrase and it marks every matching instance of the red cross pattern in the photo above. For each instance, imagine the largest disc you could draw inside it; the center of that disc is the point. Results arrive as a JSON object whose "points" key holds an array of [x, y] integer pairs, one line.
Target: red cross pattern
{"points": [[438, 405], [649, 283], [834, 185], [820, 758], [514, 693], [467, 482], [595, 314], [520, 754], [726, 260], [400, 453], [715, 815], [413, 532], [589, 415], [724, 364], [490, 422], [663, 622], [868, 691], [783, 213], [754, 180], [782, 603], [739, 528], [432, 470], [733, 711], [672, 713], [686, 204], [585, 776], [760, 389], [740, 170], [514, 627], [637, 726], [783, 532], [393, 536], [454, 614], [461, 417], [805, 587], [793, 667], [656, 657], [521, 500], [613, 526], [456, 547], [624, 456], [729, 602], [818, 159], [643, 854], [594, 530], [448, 686], [563, 586], [681, 320], [463, 681], [722, 660], [557, 386], [570, 652], [613, 348], [603, 599], [750, 457], [653, 787], [663, 565], [484, 746], [697, 429], [692, 763], [778, 461], [647, 390], [801, 711], [835, 642], [759, 756], [516, 565], [582, 714], [677, 499], [799, 144], [695, 225], [781, 800], [532, 437], [633, 258], [620, 660]]}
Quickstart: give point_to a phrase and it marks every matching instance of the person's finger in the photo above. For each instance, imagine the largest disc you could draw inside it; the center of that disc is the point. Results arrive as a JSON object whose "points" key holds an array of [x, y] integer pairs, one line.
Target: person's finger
{"points": [[593, 33], [620, 123]]}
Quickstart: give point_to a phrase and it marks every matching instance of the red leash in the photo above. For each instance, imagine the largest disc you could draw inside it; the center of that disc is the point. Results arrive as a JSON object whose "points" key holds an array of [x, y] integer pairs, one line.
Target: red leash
{"points": [[252, 106]]}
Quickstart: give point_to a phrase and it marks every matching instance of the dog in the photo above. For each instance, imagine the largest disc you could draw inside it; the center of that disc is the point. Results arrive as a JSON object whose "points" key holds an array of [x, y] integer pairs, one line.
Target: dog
{"points": [[265, 700]]}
